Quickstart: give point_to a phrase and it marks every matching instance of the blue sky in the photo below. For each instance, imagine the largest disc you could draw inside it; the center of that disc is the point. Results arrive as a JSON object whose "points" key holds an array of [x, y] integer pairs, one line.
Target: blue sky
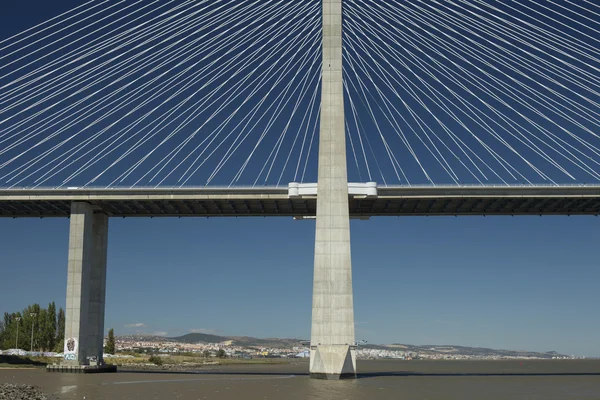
{"points": [[517, 283], [525, 283]]}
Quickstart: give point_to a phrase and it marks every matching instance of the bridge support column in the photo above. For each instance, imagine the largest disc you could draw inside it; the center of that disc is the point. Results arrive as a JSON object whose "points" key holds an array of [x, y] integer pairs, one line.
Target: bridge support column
{"points": [[332, 354], [86, 285]]}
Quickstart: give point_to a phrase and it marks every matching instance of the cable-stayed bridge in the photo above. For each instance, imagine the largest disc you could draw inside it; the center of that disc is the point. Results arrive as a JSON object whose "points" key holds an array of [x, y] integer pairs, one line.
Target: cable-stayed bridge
{"points": [[249, 108]]}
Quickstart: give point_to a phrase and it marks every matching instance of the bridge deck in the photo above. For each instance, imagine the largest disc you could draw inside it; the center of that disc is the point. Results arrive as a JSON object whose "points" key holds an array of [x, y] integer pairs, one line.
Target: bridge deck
{"points": [[228, 202]]}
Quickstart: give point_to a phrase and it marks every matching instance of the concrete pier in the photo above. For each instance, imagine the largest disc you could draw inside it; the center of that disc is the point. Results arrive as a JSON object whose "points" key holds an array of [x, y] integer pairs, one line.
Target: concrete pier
{"points": [[86, 286], [332, 354]]}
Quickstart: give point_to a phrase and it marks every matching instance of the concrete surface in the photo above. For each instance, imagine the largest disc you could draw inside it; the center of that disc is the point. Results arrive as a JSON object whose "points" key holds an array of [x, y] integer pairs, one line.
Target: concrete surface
{"points": [[86, 284], [332, 331], [269, 201]]}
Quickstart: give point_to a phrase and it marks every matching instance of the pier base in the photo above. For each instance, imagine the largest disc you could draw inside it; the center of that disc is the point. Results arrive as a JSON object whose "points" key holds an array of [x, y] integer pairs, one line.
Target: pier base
{"points": [[81, 369], [333, 362]]}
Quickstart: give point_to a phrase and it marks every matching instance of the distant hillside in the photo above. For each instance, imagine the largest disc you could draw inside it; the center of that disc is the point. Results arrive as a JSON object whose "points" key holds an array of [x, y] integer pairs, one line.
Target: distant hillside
{"points": [[246, 341], [268, 342], [237, 340], [199, 338], [470, 351]]}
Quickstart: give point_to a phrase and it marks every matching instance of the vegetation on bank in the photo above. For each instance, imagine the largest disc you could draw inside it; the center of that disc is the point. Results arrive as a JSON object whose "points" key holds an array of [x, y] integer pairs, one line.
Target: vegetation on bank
{"points": [[110, 342], [133, 359], [156, 360], [180, 360], [25, 362], [46, 325]]}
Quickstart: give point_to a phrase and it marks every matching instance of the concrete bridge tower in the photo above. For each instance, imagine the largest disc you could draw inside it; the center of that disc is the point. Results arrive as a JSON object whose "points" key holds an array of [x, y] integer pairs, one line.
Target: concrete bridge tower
{"points": [[86, 286], [332, 354]]}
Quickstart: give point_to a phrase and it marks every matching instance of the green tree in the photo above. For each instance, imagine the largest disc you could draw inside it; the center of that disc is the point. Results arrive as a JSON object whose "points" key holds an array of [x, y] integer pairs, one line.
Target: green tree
{"points": [[156, 360], [32, 315], [110, 343], [221, 353], [206, 354], [50, 328], [60, 330], [47, 331], [40, 332], [6, 334]]}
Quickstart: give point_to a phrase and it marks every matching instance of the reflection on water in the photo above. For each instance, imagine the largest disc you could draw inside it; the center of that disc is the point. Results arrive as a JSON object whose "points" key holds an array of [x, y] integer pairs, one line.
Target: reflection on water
{"points": [[67, 389], [68, 385], [346, 389], [379, 380], [233, 378]]}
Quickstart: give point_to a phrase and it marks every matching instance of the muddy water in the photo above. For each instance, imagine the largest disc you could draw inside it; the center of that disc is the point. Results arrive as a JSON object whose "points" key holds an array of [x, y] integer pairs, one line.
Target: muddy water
{"points": [[385, 379]]}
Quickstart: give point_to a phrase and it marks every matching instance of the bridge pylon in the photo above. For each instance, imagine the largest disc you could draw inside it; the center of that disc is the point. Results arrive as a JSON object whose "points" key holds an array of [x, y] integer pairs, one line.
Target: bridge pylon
{"points": [[86, 287], [332, 354]]}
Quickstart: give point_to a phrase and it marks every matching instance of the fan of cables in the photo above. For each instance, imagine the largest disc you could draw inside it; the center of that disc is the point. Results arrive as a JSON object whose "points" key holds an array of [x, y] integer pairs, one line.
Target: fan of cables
{"points": [[473, 92], [227, 93], [149, 93]]}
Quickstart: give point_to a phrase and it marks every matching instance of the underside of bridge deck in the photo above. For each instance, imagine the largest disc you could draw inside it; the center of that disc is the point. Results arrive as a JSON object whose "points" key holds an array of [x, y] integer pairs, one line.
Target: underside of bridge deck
{"points": [[306, 207]]}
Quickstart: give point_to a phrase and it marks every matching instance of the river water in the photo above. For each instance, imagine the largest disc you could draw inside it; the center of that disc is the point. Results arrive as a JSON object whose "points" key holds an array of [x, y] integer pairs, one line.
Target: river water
{"points": [[381, 379]]}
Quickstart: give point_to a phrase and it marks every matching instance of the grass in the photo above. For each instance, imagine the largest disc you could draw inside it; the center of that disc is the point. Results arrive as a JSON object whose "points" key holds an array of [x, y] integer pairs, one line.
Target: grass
{"points": [[24, 362], [187, 359], [41, 362]]}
